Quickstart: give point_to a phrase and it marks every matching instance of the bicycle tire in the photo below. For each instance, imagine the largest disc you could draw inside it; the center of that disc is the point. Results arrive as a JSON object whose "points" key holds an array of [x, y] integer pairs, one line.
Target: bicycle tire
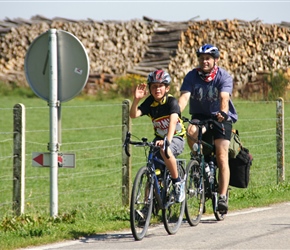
{"points": [[173, 213], [219, 216], [140, 202], [195, 196]]}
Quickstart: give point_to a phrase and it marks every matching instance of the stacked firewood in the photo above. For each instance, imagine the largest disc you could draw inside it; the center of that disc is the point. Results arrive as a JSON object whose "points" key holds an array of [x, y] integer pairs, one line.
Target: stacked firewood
{"points": [[249, 50], [112, 46]]}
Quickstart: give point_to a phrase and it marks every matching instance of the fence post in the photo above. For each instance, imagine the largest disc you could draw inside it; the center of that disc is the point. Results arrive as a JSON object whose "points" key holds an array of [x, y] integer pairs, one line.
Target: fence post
{"points": [[18, 158], [126, 161], [280, 140]]}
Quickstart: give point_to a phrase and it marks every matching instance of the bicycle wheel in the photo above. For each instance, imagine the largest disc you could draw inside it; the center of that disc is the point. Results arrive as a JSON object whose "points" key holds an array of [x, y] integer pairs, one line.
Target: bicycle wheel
{"points": [[219, 216], [141, 204], [195, 199], [173, 212]]}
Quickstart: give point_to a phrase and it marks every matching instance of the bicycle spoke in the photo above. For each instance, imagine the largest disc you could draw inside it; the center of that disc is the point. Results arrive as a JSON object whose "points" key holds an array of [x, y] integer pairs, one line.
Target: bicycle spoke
{"points": [[194, 194]]}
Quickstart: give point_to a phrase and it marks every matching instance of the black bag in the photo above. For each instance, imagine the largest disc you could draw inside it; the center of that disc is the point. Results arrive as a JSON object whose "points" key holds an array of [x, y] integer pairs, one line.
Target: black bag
{"points": [[240, 168]]}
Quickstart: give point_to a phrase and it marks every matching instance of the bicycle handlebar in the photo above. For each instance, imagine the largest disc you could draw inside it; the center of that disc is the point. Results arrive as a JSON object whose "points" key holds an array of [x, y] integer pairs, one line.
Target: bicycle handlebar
{"points": [[198, 122], [144, 143]]}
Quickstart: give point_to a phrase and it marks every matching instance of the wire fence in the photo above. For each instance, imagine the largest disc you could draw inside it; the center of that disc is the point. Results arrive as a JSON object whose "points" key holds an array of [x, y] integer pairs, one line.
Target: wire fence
{"points": [[94, 134]]}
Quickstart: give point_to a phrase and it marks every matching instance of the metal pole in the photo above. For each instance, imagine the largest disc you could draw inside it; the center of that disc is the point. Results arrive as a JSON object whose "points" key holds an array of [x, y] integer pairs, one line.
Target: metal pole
{"points": [[53, 104]]}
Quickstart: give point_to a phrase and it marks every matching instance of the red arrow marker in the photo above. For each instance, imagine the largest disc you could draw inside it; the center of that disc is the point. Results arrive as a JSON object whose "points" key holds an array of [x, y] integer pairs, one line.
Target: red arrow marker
{"points": [[59, 159], [39, 159]]}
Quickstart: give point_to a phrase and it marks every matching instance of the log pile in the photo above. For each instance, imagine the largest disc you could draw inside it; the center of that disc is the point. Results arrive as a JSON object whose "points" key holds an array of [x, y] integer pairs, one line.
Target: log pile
{"points": [[248, 49], [162, 47], [112, 46]]}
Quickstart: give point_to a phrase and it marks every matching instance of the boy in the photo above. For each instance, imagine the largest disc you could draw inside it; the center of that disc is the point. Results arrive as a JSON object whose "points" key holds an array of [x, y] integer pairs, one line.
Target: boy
{"points": [[164, 111]]}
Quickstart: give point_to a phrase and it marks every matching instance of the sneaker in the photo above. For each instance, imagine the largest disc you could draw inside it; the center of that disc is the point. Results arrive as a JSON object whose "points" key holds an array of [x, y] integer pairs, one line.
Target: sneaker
{"points": [[179, 191], [222, 204]]}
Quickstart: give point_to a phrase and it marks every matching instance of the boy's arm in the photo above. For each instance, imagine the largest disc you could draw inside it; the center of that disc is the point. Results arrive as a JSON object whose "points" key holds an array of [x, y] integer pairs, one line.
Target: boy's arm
{"points": [[173, 119], [134, 111]]}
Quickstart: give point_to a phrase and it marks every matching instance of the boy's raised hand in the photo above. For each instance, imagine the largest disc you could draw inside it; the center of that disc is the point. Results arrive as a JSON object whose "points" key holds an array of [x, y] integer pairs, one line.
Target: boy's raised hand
{"points": [[141, 91]]}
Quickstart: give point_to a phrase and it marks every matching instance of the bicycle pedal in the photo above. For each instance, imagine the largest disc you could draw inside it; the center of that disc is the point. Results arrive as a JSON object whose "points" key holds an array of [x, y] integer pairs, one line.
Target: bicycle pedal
{"points": [[222, 212]]}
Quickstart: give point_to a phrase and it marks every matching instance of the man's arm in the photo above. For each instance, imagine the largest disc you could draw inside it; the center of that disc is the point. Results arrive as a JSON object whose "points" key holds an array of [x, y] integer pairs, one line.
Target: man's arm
{"points": [[224, 106], [183, 100], [224, 102]]}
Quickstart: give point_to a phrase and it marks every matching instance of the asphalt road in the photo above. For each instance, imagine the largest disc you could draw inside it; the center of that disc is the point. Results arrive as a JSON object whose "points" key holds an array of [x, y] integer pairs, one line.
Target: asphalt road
{"points": [[256, 228]]}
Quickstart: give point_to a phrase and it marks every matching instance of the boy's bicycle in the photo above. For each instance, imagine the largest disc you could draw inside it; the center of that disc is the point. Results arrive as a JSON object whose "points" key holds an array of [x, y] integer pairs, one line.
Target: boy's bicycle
{"points": [[153, 190], [201, 183]]}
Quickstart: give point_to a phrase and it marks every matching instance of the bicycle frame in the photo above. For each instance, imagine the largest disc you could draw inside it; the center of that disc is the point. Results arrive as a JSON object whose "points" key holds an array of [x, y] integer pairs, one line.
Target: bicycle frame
{"points": [[207, 184], [159, 194], [201, 156], [151, 159], [147, 194]]}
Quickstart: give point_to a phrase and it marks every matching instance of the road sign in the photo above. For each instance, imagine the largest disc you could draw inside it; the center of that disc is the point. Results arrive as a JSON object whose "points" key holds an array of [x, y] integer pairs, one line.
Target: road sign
{"points": [[65, 160], [73, 66]]}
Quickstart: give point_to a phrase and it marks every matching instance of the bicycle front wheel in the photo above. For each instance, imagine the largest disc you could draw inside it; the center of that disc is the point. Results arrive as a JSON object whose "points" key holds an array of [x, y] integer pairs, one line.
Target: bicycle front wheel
{"points": [[173, 212], [195, 200], [141, 204]]}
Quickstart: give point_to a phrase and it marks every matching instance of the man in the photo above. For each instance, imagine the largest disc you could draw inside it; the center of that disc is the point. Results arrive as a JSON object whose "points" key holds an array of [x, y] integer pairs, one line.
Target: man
{"points": [[209, 89]]}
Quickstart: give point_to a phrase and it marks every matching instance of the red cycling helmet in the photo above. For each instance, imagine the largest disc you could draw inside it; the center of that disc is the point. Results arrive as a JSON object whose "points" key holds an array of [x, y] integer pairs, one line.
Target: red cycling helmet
{"points": [[159, 76]]}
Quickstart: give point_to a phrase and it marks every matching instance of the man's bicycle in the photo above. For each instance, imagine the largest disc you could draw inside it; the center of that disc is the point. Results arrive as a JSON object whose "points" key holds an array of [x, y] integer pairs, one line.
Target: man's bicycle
{"points": [[201, 183], [153, 191]]}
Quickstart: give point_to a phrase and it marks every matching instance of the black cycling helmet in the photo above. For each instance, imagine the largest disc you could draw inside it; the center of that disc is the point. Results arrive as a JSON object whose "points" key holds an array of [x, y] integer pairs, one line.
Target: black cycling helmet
{"points": [[159, 76], [208, 49]]}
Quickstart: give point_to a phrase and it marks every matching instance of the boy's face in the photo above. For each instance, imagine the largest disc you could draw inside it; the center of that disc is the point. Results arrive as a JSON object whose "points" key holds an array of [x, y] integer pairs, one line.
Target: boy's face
{"points": [[158, 90]]}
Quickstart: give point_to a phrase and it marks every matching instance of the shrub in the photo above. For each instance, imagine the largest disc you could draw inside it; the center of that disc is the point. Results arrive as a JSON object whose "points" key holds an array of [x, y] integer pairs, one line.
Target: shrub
{"points": [[278, 82], [125, 85]]}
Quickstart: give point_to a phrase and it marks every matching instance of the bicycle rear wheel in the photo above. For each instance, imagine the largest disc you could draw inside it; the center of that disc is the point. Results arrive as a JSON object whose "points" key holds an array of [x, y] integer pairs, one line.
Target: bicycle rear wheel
{"points": [[173, 213], [220, 216], [195, 198], [141, 204]]}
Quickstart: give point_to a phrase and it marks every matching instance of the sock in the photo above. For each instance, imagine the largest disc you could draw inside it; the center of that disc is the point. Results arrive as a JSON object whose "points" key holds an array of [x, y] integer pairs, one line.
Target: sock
{"points": [[223, 196]]}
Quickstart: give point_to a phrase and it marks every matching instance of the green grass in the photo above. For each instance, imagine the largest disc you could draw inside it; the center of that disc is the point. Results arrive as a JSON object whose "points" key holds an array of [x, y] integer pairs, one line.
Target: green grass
{"points": [[90, 200]]}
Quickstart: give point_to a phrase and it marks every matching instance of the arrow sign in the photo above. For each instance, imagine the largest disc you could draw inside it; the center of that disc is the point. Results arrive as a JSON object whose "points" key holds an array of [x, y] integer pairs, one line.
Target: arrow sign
{"points": [[65, 160]]}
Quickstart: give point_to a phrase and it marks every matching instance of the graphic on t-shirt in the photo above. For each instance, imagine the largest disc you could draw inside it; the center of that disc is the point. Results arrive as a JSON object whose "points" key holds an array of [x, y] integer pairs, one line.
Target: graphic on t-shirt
{"points": [[209, 93], [161, 126]]}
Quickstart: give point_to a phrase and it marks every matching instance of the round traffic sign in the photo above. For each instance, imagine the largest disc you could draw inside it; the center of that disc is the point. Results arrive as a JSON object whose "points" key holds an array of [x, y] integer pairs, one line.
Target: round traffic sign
{"points": [[72, 66]]}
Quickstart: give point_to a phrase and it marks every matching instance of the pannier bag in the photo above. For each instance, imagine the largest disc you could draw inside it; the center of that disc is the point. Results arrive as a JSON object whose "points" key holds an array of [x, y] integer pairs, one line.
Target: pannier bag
{"points": [[235, 144], [240, 169]]}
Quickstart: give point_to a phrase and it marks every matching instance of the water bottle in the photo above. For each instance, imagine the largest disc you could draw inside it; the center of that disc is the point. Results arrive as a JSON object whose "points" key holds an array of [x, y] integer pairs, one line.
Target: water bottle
{"points": [[212, 168], [207, 169], [195, 147]]}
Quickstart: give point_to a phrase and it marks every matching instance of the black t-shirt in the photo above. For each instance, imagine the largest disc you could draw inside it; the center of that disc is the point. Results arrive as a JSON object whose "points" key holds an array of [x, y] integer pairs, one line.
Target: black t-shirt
{"points": [[159, 112]]}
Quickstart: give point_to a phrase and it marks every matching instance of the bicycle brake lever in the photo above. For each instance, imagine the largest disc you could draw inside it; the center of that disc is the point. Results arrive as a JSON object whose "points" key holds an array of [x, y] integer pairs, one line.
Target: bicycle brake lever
{"points": [[126, 144], [165, 147]]}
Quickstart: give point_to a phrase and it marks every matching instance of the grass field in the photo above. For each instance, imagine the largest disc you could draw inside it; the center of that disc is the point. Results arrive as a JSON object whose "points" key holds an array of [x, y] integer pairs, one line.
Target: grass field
{"points": [[90, 200]]}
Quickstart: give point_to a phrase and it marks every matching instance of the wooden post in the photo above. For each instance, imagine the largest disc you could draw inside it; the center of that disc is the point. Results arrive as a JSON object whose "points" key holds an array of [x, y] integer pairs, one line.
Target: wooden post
{"points": [[280, 140], [18, 159], [126, 161]]}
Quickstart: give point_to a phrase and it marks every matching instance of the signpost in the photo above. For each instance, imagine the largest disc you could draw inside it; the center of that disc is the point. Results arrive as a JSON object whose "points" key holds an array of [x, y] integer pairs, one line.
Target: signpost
{"points": [[56, 68]]}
